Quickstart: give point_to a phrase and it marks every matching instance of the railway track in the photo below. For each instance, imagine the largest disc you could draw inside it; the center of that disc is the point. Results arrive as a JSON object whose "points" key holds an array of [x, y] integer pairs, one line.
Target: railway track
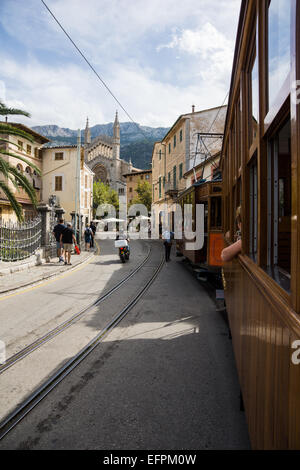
{"points": [[12, 420], [66, 324]]}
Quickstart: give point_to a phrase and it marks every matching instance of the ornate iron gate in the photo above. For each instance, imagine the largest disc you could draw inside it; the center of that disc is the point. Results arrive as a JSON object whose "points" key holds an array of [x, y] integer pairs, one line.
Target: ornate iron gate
{"points": [[19, 240]]}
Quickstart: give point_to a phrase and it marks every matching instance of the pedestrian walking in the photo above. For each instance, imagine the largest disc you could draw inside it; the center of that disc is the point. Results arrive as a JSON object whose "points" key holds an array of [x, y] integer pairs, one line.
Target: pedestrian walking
{"points": [[88, 237], [93, 228], [66, 239], [168, 238], [57, 231]]}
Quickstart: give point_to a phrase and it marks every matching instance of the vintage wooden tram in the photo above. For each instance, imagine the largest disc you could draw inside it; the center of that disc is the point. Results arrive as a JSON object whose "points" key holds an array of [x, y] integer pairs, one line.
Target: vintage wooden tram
{"points": [[210, 195], [261, 173]]}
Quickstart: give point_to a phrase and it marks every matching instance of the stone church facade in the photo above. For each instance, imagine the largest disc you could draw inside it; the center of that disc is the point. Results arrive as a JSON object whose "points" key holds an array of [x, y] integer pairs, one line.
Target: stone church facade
{"points": [[102, 155]]}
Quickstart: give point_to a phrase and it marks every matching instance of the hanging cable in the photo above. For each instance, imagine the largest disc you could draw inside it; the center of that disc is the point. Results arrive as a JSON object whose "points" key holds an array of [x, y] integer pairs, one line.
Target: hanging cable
{"points": [[95, 72]]}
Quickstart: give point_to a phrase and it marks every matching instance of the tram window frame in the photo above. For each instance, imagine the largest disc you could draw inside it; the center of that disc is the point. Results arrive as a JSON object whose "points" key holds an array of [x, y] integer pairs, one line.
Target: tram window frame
{"points": [[233, 152], [216, 213], [238, 136], [253, 208], [279, 273], [253, 57], [273, 109], [238, 194], [272, 99]]}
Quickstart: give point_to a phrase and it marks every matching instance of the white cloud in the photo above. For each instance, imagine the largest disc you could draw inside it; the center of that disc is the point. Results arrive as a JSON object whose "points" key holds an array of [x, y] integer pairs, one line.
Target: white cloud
{"points": [[2, 91], [213, 50], [120, 38], [203, 41], [109, 26], [66, 95]]}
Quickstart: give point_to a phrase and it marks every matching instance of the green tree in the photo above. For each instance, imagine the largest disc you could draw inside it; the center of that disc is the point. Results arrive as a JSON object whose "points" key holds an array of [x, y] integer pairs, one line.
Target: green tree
{"points": [[144, 195], [9, 172], [103, 194]]}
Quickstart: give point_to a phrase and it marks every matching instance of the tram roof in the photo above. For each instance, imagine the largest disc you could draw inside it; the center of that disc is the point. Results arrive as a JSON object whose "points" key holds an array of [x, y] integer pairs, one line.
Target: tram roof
{"points": [[216, 179]]}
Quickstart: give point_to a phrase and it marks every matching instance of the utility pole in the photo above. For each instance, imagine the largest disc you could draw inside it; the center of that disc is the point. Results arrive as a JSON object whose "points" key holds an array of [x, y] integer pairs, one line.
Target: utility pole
{"points": [[77, 191]]}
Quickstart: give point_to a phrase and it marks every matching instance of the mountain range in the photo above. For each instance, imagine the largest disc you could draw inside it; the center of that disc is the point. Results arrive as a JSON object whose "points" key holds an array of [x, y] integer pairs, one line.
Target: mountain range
{"points": [[136, 141]]}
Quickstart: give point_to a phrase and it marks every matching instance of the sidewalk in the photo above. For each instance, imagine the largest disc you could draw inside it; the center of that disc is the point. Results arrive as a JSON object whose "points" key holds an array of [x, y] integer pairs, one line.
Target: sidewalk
{"points": [[25, 273]]}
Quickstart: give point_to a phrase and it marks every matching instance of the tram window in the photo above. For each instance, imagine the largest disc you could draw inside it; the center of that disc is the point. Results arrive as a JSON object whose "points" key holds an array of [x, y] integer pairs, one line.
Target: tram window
{"points": [[216, 213], [239, 193], [254, 101], [279, 45], [238, 135], [279, 206], [253, 210]]}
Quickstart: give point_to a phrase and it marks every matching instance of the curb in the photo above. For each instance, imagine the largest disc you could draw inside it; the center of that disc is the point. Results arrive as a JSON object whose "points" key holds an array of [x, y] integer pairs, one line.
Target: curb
{"points": [[49, 276], [19, 267]]}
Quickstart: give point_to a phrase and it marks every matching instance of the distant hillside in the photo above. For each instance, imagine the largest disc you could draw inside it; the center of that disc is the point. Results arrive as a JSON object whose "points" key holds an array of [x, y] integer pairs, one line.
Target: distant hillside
{"points": [[136, 141]]}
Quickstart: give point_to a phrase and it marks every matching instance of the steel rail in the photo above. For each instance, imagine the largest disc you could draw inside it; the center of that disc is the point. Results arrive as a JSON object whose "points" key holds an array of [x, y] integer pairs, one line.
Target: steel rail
{"points": [[67, 323], [14, 418]]}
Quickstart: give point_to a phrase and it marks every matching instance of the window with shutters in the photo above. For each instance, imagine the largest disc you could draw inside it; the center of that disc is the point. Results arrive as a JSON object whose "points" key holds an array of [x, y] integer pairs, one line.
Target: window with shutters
{"points": [[58, 183], [180, 171]]}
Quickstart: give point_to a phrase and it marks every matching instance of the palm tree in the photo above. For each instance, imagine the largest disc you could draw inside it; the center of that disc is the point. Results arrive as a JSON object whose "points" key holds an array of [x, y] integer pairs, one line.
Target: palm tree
{"points": [[8, 171]]}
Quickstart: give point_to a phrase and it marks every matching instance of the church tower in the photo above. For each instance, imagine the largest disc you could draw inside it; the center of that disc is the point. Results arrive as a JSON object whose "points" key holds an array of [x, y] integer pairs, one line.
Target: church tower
{"points": [[87, 133], [130, 166], [116, 138]]}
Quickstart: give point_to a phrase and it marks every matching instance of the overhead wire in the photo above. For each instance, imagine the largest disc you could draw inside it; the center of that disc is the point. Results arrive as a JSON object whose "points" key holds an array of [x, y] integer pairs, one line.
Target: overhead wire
{"points": [[207, 147], [110, 91], [95, 72]]}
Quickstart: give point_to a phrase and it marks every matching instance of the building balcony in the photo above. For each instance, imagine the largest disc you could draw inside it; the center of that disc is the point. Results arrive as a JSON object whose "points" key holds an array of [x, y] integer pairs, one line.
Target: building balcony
{"points": [[171, 189]]}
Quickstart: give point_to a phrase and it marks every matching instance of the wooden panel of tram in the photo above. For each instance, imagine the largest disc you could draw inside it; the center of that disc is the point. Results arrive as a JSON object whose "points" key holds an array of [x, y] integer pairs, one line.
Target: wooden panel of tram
{"points": [[270, 382]]}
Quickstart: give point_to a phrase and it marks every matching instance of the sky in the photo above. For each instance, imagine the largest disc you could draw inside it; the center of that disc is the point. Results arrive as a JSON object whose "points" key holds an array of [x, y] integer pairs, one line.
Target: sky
{"points": [[158, 57]]}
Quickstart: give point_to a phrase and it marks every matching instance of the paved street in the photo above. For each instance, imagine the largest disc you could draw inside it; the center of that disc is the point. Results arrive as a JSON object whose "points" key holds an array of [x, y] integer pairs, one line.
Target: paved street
{"points": [[164, 378], [40, 308]]}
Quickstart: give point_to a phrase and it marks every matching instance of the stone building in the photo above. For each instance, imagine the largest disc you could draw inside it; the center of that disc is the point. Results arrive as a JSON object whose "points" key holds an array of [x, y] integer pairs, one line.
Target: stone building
{"points": [[102, 155], [183, 150], [59, 180], [133, 179], [31, 151]]}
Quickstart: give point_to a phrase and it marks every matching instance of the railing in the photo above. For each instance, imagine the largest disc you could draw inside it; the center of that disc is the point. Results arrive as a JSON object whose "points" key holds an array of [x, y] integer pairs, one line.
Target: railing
{"points": [[19, 240], [171, 186], [178, 186]]}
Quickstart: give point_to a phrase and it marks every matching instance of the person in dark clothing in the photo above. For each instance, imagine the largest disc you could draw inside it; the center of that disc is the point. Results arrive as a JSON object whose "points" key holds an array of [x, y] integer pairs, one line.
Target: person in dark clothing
{"points": [[67, 238], [57, 231], [168, 237], [88, 237], [93, 228]]}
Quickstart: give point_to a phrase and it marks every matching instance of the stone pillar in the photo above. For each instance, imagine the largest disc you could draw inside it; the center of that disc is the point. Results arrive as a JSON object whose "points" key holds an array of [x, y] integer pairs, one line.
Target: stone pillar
{"points": [[44, 210], [77, 226], [59, 212]]}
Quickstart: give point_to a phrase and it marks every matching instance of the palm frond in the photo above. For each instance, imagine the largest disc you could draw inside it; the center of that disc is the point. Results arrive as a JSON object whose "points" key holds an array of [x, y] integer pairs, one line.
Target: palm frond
{"points": [[4, 111], [8, 129], [24, 183], [28, 188], [4, 167], [9, 142], [17, 208], [32, 165]]}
